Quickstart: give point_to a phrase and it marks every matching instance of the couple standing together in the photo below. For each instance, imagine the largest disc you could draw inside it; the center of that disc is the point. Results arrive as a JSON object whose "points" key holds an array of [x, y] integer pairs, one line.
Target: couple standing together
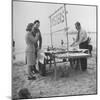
{"points": [[34, 43]]}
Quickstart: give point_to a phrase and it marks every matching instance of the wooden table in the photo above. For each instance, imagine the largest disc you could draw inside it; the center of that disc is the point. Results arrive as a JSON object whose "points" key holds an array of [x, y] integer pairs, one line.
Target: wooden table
{"points": [[52, 55]]}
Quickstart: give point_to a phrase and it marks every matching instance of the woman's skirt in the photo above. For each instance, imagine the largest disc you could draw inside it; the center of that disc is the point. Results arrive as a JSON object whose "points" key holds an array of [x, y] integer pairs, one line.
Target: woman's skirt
{"points": [[30, 58]]}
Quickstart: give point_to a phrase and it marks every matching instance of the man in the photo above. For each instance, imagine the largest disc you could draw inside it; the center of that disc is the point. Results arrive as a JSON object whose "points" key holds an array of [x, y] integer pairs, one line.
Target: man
{"points": [[82, 41], [36, 30], [38, 46]]}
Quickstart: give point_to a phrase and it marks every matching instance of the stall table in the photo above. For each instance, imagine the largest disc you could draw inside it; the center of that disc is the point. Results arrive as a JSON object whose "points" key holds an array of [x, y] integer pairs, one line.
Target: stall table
{"points": [[64, 56]]}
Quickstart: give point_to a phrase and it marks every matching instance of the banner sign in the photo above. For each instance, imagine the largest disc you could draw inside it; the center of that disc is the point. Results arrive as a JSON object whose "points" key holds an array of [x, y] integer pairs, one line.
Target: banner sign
{"points": [[57, 19]]}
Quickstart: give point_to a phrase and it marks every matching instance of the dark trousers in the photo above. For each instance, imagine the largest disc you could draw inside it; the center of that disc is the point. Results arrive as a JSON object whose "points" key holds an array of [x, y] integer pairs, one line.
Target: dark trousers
{"points": [[83, 61], [42, 68]]}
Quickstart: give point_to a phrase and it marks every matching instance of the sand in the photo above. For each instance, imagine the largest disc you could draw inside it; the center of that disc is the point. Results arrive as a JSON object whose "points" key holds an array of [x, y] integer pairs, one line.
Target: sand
{"points": [[69, 82]]}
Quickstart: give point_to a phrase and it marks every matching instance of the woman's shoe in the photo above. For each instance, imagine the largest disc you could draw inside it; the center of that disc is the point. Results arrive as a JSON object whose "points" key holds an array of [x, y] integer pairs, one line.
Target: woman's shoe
{"points": [[31, 78]]}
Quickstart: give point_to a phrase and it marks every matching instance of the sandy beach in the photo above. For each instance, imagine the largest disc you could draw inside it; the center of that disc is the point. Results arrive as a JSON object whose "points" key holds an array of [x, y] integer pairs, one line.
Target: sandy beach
{"points": [[68, 83], [55, 26]]}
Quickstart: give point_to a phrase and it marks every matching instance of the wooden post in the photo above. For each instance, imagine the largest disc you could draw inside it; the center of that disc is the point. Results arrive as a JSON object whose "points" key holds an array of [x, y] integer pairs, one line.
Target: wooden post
{"points": [[51, 32], [55, 69], [66, 27]]}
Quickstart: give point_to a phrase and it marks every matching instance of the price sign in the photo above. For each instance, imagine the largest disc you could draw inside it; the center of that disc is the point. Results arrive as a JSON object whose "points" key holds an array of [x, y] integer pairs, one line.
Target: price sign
{"points": [[57, 19]]}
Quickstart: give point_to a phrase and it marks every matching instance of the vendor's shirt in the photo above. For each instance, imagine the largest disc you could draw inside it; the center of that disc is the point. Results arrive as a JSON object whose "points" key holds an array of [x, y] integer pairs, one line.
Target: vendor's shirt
{"points": [[81, 36]]}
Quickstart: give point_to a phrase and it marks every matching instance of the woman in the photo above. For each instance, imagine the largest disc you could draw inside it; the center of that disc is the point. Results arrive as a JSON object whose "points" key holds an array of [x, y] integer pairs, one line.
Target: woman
{"points": [[32, 38]]}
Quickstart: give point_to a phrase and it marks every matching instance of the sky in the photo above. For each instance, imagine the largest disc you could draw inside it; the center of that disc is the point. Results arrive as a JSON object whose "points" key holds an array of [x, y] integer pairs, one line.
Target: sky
{"points": [[27, 12]]}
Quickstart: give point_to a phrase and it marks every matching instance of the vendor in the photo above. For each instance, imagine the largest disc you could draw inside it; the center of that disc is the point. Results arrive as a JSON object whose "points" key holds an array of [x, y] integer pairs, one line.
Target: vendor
{"points": [[82, 41]]}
